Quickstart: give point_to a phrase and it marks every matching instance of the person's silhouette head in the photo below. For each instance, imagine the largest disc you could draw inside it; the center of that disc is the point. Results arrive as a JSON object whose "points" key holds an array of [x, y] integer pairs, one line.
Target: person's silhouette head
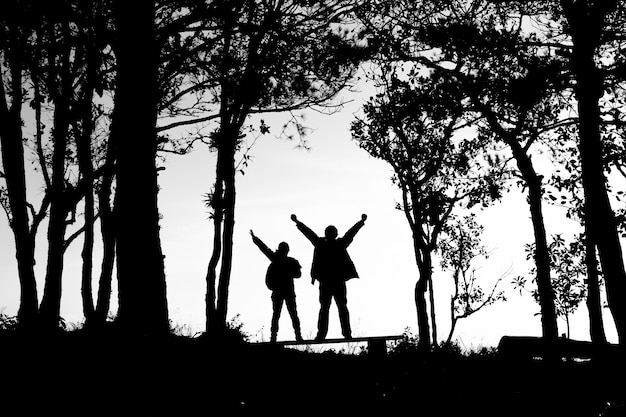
{"points": [[283, 249], [331, 232]]}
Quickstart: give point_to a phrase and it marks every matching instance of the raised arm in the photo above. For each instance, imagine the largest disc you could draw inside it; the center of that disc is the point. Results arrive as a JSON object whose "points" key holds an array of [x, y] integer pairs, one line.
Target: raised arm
{"points": [[347, 238], [267, 251], [306, 231]]}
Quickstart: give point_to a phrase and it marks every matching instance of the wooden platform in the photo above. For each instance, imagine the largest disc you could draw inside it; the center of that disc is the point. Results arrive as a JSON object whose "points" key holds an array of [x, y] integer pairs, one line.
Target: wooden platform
{"points": [[376, 345]]}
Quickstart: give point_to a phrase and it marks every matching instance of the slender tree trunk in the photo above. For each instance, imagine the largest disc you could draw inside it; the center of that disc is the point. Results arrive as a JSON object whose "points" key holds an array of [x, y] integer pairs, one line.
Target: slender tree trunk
{"points": [[594, 306], [86, 288], [431, 294], [140, 267], [15, 177], [84, 153], [542, 253], [422, 310], [50, 309], [107, 231], [413, 216], [212, 322], [452, 328], [549, 326], [586, 23], [424, 269], [229, 225], [453, 318], [85, 157], [542, 260]]}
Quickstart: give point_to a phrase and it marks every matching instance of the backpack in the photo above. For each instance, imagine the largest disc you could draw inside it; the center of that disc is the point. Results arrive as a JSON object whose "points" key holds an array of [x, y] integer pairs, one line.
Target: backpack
{"points": [[280, 271]]}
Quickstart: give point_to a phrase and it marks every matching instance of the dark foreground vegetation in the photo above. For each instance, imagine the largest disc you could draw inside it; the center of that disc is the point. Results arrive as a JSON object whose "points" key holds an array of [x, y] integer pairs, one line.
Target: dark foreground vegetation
{"points": [[75, 372]]}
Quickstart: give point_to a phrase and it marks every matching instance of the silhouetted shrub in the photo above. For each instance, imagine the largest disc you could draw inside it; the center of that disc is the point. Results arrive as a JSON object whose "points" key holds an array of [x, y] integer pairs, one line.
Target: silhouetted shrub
{"points": [[408, 344], [8, 322]]}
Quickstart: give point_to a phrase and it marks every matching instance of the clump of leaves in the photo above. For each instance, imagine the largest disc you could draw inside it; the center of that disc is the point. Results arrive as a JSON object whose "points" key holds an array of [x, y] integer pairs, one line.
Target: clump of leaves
{"points": [[234, 329], [408, 344], [8, 322], [568, 272]]}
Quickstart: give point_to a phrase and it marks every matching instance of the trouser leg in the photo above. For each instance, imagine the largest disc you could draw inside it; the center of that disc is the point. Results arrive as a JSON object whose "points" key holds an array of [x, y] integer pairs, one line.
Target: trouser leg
{"points": [[322, 323], [277, 306], [342, 305], [293, 313]]}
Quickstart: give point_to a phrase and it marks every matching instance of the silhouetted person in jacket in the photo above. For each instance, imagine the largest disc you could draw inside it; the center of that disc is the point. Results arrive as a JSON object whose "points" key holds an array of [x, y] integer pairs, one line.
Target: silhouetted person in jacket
{"points": [[279, 279], [332, 267]]}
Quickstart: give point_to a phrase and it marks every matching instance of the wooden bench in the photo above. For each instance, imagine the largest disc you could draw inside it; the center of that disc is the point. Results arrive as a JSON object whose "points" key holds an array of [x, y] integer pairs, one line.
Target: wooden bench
{"points": [[376, 345]]}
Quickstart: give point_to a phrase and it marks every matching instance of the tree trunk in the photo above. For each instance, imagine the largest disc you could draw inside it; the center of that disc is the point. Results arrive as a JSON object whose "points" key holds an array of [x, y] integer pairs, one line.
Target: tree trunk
{"points": [[594, 306], [542, 260], [50, 309], [15, 177], [431, 294], [107, 231], [412, 215], [452, 328], [422, 311], [586, 23], [453, 318], [535, 191], [549, 326], [85, 158], [84, 153], [212, 322], [140, 268], [424, 269], [59, 81], [229, 147]]}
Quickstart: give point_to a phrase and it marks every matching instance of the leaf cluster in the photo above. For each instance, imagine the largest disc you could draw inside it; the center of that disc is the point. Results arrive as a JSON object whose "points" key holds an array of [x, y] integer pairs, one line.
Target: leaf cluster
{"points": [[567, 262], [250, 56]]}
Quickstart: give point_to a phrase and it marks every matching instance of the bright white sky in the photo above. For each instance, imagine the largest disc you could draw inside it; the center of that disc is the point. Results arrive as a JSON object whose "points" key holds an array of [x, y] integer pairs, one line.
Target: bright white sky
{"points": [[332, 183]]}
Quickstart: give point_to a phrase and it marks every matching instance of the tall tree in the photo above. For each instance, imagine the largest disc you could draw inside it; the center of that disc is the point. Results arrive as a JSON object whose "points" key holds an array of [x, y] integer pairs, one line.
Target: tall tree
{"points": [[283, 55], [248, 57], [15, 30], [66, 72], [140, 268], [415, 126], [508, 84], [92, 62], [588, 24], [565, 190], [57, 78]]}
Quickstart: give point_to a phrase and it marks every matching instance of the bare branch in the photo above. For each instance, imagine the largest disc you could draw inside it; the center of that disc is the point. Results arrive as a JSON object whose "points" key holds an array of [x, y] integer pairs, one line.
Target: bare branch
{"points": [[77, 233], [187, 122]]}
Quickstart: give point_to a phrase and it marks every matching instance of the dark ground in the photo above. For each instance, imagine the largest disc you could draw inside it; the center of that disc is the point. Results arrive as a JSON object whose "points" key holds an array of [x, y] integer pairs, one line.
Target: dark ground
{"points": [[76, 374]]}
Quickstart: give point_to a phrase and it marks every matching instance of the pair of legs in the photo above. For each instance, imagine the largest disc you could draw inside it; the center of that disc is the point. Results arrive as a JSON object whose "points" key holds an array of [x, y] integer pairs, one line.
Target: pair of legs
{"points": [[288, 298], [328, 290]]}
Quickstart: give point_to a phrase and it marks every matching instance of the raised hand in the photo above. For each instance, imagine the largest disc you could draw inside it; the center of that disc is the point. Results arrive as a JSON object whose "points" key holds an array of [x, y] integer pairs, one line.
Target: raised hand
{"points": [[294, 218], [363, 217]]}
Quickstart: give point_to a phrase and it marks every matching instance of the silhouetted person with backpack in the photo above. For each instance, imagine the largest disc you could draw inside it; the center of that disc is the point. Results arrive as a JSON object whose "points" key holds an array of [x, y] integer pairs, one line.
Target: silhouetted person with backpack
{"points": [[279, 279], [332, 267]]}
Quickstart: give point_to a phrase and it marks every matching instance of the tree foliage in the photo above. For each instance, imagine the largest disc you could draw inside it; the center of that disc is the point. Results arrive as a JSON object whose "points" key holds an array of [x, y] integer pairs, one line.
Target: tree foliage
{"points": [[567, 261], [459, 248], [418, 124]]}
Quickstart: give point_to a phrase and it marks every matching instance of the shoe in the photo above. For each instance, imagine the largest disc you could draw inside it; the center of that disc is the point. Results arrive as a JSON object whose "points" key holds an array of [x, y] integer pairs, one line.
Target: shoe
{"points": [[319, 338], [299, 338]]}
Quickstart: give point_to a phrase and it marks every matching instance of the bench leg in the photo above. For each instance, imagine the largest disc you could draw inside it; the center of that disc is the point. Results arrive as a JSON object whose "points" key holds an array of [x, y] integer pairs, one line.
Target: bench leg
{"points": [[377, 347]]}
